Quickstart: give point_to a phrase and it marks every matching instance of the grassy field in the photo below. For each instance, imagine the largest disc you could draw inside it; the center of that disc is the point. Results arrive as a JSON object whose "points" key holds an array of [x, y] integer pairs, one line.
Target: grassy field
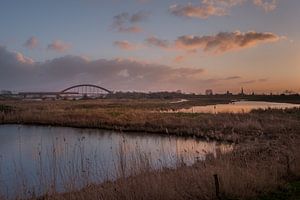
{"points": [[143, 116], [265, 159]]}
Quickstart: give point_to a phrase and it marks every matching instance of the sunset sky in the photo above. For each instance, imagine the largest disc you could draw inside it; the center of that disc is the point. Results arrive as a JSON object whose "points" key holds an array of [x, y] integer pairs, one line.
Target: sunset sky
{"points": [[151, 45]]}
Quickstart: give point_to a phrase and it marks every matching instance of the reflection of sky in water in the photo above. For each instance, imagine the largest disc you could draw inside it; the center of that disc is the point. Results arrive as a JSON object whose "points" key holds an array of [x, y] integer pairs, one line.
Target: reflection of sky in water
{"points": [[237, 107], [28, 155]]}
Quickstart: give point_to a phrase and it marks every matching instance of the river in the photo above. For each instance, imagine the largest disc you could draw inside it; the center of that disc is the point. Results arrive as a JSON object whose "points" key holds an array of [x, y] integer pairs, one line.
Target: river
{"points": [[237, 107], [40, 159]]}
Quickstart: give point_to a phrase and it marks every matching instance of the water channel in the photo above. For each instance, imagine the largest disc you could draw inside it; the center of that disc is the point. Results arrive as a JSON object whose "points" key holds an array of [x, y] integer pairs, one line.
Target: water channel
{"points": [[41, 159]]}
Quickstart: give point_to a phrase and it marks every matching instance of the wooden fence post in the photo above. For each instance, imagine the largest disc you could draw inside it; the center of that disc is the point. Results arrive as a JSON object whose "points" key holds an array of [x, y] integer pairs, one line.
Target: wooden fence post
{"points": [[217, 186]]}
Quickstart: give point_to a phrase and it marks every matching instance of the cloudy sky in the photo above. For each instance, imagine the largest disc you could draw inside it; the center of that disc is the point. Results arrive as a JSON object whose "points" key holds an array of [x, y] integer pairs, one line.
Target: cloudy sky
{"points": [[150, 45]]}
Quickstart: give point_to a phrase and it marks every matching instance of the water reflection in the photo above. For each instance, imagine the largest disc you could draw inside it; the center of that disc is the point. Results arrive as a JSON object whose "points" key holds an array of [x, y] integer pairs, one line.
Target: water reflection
{"points": [[237, 107], [45, 159]]}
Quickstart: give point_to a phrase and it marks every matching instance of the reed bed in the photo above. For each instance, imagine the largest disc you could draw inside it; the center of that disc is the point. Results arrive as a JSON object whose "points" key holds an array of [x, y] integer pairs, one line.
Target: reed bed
{"points": [[129, 115], [248, 172], [65, 164], [266, 157]]}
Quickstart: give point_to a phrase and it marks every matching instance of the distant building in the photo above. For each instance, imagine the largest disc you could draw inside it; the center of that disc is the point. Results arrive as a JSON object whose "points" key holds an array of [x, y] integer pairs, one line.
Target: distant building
{"points": [[228, 93], [242, 91], [288, 92], [5, 92], [208, 92]]}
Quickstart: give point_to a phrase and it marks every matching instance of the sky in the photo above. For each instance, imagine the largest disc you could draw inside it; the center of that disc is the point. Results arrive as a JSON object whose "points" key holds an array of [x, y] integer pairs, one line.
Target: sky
{"points": [[151, 45]]}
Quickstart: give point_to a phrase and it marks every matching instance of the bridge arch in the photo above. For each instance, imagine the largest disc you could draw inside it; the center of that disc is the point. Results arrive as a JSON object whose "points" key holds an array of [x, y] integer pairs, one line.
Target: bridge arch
{"points": [[86, 86]]}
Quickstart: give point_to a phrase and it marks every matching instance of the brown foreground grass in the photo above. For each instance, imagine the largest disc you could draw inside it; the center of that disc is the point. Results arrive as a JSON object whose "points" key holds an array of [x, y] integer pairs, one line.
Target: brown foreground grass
{"points": [[266, 157], [248, 172], [138, 116]]}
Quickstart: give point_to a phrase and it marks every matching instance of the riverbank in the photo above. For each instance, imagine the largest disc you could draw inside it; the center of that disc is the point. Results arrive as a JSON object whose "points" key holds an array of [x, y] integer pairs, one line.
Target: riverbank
{"points": [[250, 171], [138, 116]]}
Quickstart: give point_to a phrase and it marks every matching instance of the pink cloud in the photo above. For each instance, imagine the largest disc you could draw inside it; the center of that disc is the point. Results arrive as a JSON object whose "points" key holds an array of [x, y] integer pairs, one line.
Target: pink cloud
{"points": [[192, 11], [179, 59], [125, 45], [31, 43], [207, 8], [23, 59], [224, 41], [219, 43], [131, 29], [266, 5], [154, 41], [126, 22], [59, 46]]}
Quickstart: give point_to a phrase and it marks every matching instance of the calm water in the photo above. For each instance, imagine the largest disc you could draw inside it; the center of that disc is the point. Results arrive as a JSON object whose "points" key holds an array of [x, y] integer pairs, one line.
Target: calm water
{"points": [[237, 107], [43, 159]]}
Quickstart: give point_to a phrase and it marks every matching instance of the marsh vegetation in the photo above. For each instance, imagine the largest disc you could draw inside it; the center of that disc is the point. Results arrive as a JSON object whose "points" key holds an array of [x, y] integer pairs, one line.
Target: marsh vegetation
{"points": [[265, 157]]}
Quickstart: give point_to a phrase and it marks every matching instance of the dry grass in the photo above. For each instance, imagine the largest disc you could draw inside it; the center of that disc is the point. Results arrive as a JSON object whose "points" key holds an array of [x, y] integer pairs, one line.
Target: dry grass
{"points": [[251, 170], [248, 172], [137, 115], [267, 155]]}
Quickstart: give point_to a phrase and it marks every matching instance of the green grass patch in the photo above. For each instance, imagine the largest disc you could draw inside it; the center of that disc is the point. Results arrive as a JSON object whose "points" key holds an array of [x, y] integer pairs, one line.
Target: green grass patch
{"points": [[6, 109]]}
